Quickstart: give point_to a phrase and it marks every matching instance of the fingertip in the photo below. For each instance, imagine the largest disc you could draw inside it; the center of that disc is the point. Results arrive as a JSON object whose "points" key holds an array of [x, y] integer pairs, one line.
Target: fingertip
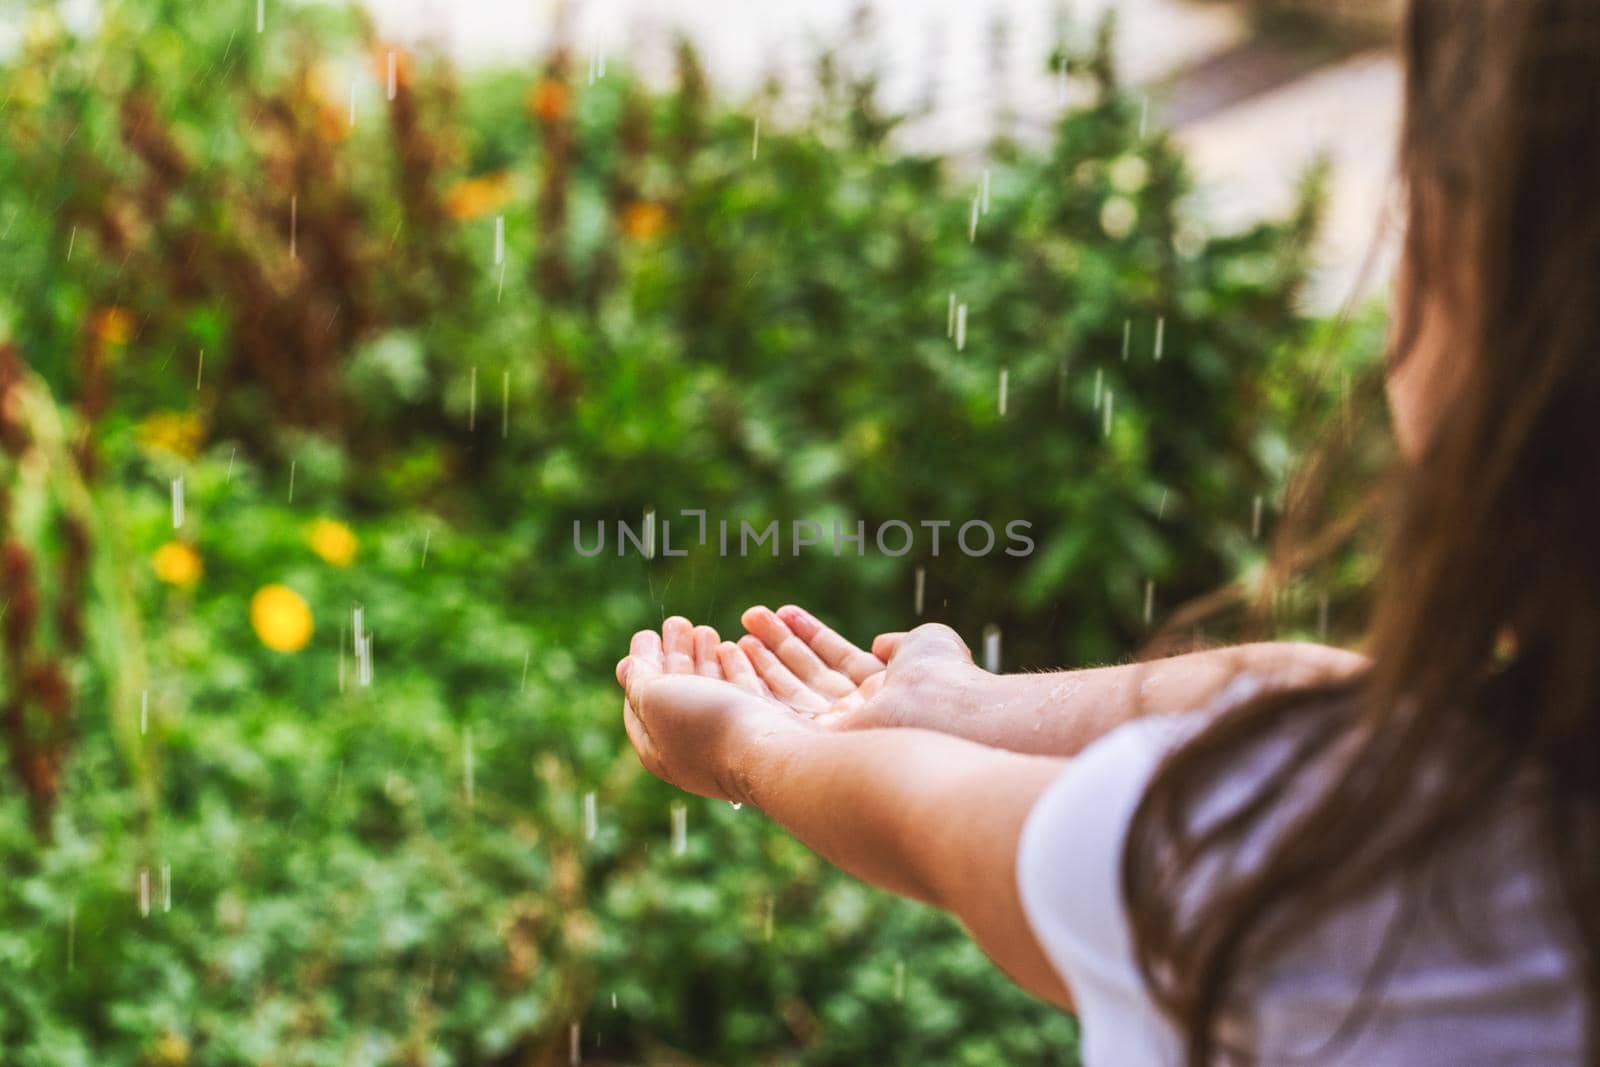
{"points": [[755, 614], [644, 643], [883, 645], [799, 620], [622, 671], [750, 644], [705, 634]]}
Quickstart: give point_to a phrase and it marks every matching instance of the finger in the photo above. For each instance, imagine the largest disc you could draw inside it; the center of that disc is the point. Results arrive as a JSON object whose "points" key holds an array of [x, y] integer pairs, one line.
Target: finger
{"points": [[737, 668], [829, 646], [705, 652], [780, 679], [795, 653], [646, 645], [933, 639], [677, 644], [622, 671], [883, 645], [643, 668]]}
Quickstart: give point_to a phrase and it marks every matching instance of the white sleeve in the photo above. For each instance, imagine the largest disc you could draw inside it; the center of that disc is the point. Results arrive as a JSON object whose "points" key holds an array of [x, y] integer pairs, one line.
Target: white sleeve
{"points": [[1069, 878]]}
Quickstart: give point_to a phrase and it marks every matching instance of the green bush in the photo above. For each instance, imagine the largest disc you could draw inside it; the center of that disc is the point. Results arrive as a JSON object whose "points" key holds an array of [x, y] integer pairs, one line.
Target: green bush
{"points": [[401, 872]]}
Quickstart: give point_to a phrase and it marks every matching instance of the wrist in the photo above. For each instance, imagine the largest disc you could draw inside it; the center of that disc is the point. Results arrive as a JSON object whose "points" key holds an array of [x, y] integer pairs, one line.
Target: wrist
{"points": [[760, 759]]}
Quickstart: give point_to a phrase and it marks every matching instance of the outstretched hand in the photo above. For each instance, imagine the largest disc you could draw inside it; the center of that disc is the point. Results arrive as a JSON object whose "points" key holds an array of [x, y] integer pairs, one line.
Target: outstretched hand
{"points": [[922, 677], [696, 711], [698, 708]]}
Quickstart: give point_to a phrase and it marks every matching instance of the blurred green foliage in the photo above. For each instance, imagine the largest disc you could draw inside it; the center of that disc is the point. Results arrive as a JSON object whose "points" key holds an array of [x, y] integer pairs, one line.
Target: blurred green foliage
{"points": [[218, 276]]}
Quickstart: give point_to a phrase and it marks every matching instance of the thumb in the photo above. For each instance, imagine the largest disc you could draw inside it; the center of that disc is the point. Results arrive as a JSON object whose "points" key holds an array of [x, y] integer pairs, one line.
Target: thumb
{"points": [[883, 645], [930, 640]]}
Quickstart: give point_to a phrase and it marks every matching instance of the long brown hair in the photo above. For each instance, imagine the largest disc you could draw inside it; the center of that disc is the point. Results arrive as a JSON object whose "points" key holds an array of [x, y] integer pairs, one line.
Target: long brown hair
{"points": [[1485, 631]]}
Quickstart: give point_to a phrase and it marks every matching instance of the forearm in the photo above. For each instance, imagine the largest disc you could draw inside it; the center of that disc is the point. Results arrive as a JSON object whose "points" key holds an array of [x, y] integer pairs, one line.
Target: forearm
{"points": [[921, 814], [1063, 712]]}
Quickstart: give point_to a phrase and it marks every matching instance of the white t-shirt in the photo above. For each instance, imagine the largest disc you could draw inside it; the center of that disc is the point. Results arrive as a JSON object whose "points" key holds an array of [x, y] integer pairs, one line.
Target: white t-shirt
{"points": [[1505, 992]]}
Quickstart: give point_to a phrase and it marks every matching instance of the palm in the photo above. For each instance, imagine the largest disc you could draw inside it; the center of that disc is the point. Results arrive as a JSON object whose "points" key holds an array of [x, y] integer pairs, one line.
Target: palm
{"points": [[807, 665]]}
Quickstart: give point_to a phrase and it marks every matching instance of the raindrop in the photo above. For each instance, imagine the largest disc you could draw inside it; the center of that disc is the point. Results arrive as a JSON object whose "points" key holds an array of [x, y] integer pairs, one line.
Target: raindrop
{"points": [[680, 828], [505, 404], [991, 648]]}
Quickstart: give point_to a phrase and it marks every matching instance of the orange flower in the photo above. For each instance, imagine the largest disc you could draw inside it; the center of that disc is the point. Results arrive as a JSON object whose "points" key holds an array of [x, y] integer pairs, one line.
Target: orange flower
{"points": [[113, 325], [473, 198], [332, 123], [643, 220], [402, 65], [549, 99]]}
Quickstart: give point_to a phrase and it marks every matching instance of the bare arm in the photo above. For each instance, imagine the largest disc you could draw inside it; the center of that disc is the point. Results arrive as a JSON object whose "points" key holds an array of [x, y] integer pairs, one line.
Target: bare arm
{"points": [[926, 678], [1062, 712], [923, 815]]}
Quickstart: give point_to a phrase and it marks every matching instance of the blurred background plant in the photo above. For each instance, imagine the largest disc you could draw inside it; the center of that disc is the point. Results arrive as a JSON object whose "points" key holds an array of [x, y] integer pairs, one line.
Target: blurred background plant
{"points": [[395, 330]]}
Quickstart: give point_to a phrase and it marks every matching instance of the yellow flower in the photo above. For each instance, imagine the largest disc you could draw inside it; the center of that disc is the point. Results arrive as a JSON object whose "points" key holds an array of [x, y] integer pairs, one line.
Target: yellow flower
{"points": [[177, 564], [643, 219], [177, 432], [333, 541], [113, 325], [473, 198], [549, 99], [281, 618]]}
